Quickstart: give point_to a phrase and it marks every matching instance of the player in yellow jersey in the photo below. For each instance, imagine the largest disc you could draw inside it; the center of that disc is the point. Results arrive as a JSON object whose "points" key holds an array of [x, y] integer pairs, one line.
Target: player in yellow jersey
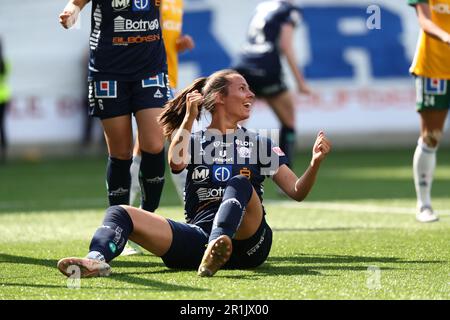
{"points": [[431, 67], [174, 43]]}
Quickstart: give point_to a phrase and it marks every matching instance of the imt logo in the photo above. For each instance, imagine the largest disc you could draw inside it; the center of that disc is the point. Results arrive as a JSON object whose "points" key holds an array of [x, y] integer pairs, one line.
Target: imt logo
{"points": [[200, 174], [120, 5]]}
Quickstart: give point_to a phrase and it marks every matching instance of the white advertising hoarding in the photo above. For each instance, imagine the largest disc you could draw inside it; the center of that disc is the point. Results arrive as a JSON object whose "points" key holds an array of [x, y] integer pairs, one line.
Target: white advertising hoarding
{"points": [[357, 66]]}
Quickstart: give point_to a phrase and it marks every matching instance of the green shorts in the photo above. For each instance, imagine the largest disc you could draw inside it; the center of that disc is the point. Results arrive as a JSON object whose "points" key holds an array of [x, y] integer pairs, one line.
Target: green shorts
{"points": [[432, 94]]}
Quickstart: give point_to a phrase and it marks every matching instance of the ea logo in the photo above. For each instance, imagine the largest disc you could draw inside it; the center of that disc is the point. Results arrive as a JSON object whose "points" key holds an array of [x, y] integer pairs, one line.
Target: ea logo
{"points": [[222, 173], [141, 5]]}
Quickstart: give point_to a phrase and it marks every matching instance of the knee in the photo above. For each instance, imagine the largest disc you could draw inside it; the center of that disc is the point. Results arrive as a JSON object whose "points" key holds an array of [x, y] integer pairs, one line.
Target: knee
{"points": [[432, 138], [153, 148], [239, 180], [119, 213], [241, 184]]}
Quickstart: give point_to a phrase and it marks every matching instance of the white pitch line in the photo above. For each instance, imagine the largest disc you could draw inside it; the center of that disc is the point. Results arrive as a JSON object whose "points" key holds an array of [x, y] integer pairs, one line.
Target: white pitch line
{"points": [[348, 207]]}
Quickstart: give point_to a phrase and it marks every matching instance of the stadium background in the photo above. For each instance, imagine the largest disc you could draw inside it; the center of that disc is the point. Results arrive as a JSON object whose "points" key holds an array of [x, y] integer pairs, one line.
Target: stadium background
{"points": [[364, 95]]}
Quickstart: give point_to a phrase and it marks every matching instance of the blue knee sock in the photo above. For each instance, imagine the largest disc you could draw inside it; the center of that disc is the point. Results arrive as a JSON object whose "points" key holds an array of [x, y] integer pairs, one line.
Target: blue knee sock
{"points": [[231, 211], [110, 239], [118, 180], [151, 178]]}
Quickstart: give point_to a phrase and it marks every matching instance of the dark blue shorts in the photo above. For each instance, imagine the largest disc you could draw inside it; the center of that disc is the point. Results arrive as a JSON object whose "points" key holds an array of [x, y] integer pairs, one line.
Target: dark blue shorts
{"points": [[190, 241], [264, 86], [112, 98]]}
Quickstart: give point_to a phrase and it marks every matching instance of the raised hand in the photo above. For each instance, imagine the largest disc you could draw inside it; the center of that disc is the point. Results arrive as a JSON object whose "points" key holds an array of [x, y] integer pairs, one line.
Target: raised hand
{"points": [[321, 148]]}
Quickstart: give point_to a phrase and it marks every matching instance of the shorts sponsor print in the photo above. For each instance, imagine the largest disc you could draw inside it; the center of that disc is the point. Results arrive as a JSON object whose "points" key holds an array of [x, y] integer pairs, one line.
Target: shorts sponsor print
{"points": [[432, 94]]}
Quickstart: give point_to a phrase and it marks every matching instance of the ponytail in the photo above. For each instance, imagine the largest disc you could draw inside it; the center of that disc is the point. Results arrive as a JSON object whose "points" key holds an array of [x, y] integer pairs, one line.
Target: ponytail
{"points": [[174, 111]]}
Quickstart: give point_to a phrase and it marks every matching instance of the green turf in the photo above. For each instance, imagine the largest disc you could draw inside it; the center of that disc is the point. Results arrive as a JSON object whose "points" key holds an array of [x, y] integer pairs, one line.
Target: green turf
{"points": [[355, 237]]}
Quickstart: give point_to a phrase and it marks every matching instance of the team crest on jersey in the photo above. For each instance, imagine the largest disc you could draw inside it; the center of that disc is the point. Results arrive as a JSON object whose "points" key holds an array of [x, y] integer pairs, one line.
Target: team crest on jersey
{"points": [[106, 89], [435, 86], [141, 5], [120, 5], [155, 81], [244, 152]]}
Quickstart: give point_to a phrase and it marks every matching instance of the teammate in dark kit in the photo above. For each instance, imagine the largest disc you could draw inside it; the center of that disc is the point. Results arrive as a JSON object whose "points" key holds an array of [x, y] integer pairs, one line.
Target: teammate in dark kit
{"points": [[270, 37], [226, 167], [127, 76]]}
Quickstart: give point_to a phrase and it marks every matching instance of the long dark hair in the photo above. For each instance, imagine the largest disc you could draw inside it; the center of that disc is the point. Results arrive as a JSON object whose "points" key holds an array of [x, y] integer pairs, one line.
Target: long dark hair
{"points": [[175, 110]]}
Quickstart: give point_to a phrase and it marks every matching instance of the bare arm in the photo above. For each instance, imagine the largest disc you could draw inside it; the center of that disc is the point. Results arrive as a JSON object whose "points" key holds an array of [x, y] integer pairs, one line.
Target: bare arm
{"points": [[69, 16], [298, 188], [286, 39], [428, 26], [178, 154]]}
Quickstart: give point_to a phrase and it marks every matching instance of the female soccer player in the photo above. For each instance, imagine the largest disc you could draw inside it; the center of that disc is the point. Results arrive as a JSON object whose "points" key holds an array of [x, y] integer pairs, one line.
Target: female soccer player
{"points": [[269, 38], [431, 67], [127, 75], [226, 167]]}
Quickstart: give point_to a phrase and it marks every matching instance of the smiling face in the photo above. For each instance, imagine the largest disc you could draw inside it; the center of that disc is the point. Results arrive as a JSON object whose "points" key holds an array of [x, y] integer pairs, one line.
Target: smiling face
{"points": [[239, 98]]}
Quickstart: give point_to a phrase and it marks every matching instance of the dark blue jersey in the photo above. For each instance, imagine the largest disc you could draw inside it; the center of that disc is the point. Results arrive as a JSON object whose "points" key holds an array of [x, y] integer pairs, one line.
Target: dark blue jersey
{"points": [[126, 41], [215, 158], [261, 53]]}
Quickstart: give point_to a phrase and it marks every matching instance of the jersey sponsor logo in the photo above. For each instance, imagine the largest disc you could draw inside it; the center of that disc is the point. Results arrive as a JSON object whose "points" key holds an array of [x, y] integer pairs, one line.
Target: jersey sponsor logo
{"points": [[246, 172], [435, 86], [106, 89], [222, 173], [210, 193], [120, 5], [442, 8], [154, 81], [200, 174], [222, 160], [244, 152], [221, 144], [128, 25], [124, 41], [244, 143], [278, 151], [141, 5]]}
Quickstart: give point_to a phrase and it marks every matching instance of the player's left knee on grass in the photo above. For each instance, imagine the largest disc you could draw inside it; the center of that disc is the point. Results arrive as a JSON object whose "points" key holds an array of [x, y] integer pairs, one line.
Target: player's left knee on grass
{"points": [[111, 237], [231, 211]]}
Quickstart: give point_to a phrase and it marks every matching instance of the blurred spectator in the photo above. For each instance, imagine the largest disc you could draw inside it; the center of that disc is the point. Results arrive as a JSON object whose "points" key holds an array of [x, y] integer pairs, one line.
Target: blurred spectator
{"points": [[5, 96]]}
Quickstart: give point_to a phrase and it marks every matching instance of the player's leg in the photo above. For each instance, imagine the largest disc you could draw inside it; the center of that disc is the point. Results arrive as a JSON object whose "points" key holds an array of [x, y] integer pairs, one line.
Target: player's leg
{"points": [[152, 167], [118, 136], [424, 162], [110, 101], [238, 217], [433, 103], [121, 223], [283, 106], [149, 96]]}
